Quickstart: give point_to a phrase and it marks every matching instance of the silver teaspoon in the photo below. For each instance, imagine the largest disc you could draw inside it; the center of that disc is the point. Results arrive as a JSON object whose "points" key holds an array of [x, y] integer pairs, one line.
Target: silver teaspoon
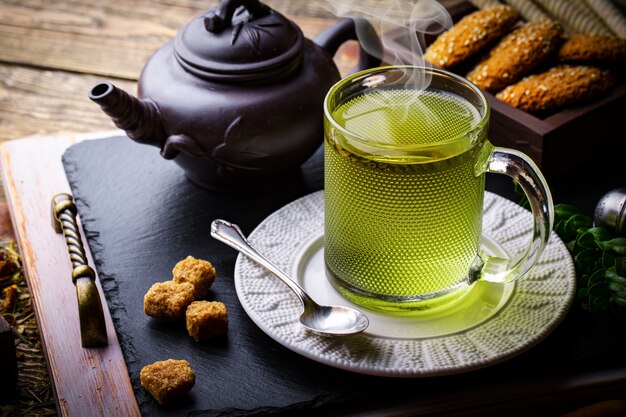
{"points": [[325, 320]]}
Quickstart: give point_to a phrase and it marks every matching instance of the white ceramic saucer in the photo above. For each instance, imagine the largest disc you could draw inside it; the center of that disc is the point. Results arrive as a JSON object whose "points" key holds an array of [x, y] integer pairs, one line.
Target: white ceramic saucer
{"points": [[493, 322]]}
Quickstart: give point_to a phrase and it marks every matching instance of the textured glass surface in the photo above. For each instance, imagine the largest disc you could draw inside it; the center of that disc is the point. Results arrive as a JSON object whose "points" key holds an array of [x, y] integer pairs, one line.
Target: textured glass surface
{"points": [[402, 225]]}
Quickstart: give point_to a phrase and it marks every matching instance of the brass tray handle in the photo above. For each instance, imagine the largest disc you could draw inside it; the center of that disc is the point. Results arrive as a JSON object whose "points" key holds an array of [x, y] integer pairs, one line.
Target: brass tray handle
{"points": [[92, 326]]}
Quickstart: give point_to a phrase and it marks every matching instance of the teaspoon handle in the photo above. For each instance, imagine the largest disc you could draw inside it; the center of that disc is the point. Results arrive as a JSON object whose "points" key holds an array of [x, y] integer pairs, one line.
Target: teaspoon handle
{"points": [[231, 235]]}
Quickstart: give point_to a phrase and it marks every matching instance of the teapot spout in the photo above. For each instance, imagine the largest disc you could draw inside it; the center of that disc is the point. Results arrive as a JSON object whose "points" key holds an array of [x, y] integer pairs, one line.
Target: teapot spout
{"points": [[139, 118]]}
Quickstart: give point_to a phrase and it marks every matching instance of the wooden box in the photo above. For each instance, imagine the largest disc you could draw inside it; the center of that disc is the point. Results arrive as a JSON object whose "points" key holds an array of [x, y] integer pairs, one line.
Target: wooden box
{"points": [[584, 137], [579, 138]]}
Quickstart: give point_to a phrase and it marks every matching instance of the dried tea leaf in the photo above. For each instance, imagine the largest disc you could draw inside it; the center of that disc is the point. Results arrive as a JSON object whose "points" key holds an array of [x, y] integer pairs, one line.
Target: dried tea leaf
{"points": [[10, 295], [31, 362]]}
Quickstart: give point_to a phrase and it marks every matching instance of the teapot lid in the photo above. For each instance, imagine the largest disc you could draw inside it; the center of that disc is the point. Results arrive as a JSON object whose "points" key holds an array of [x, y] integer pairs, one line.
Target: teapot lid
{"points": [[241, 40]]}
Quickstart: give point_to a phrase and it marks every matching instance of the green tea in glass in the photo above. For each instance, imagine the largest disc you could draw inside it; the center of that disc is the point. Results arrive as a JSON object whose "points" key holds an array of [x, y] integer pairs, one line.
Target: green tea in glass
{"points": [[406, 152]]}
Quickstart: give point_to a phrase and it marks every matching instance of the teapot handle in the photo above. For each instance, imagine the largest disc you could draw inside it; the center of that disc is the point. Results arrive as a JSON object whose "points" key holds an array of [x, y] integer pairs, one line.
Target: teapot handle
{"points": [[370, 47]]}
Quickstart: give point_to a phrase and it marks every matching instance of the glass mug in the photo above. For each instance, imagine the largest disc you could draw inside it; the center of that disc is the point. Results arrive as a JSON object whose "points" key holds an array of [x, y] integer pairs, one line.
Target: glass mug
{"points": [[404, 183]]}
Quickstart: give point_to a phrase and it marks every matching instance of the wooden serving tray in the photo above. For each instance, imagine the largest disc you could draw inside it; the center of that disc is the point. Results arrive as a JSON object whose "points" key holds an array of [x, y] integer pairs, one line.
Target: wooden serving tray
{"points": [[87, 382]]}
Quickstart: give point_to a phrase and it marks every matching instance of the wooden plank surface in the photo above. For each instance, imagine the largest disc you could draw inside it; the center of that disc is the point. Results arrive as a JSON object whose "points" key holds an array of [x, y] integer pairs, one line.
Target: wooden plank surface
{"points": [[51, 101], [111, 39], [88, 382]]}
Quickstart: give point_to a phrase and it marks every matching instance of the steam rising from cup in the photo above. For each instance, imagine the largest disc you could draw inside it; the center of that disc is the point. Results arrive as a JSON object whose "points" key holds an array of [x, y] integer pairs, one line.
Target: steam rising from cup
{"points": [[402, 26]]}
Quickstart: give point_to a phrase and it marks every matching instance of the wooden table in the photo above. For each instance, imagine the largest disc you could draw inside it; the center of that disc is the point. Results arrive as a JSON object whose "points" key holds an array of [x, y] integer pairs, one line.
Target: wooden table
{"points": [[51, 54]]}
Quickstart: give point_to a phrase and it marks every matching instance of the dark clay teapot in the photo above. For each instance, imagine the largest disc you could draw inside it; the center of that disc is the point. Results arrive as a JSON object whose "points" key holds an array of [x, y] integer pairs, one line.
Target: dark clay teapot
{"points": [[236, 98]]}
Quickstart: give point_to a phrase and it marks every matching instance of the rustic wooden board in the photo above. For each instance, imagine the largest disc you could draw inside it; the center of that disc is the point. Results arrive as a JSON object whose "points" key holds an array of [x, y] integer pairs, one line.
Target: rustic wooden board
{"points": [[88, 382]]}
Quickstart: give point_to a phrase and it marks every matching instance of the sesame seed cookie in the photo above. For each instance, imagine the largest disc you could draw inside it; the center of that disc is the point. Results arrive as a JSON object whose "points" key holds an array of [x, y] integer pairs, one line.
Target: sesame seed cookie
{"points": [[557, 87], [593, 49], [517, 54], [471, 34]]}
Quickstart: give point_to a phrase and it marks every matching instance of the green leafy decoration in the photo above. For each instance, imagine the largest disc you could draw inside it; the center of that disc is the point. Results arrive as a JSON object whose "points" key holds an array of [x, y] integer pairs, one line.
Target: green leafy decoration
{"points": [[599, 258]]}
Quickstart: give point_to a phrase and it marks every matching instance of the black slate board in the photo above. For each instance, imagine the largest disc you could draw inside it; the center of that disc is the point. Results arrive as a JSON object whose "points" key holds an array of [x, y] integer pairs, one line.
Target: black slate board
{"points": [[141, 216]]}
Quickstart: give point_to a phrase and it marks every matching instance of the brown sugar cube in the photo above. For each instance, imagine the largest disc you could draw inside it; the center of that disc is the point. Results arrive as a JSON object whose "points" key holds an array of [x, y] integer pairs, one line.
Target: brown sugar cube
{"points": [[593, 49], [197, 272], [557, 87], [206, 319], [470, 35], [168, 300], [516, 55], [167, 380]]}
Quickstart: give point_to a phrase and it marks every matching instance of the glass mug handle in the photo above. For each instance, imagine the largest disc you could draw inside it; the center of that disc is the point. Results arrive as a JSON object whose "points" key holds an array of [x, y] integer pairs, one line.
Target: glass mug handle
{"points": [[524, 171]]}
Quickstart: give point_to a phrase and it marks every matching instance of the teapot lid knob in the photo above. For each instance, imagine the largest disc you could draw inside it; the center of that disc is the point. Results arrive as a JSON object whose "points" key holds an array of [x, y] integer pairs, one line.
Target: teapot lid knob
{"points": [[218, 20], [240, 40]]}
